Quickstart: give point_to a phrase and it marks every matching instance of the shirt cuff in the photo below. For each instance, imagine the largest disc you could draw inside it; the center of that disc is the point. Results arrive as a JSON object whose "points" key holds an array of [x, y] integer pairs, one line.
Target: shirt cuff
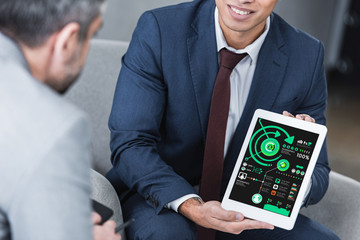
{"points": [[174, 205]]}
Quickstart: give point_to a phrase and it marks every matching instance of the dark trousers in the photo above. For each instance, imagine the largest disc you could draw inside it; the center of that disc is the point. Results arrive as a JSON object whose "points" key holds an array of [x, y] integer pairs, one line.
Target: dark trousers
{"points": [[169, 225]]}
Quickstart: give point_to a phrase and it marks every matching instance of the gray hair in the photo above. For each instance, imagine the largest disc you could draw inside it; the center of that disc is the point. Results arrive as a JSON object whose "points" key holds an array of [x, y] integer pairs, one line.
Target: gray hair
{"points": [[33, 21]]}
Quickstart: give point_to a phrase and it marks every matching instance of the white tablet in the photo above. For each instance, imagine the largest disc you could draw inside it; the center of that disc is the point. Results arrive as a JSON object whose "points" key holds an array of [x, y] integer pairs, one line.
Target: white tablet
{"points": [[274, 168]]}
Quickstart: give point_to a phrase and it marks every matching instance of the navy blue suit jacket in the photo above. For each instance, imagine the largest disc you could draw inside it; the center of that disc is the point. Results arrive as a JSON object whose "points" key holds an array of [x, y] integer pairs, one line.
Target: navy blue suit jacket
{"points": [[161, 106]]}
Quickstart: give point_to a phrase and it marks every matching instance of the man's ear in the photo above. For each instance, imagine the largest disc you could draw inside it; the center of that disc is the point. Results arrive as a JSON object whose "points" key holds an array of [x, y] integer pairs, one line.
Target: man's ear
{"points": [[66, 41]]}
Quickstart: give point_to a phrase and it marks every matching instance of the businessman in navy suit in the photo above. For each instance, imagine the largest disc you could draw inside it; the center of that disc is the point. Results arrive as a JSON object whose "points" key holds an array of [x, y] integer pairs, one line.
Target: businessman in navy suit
{"points": [[161, 110]]}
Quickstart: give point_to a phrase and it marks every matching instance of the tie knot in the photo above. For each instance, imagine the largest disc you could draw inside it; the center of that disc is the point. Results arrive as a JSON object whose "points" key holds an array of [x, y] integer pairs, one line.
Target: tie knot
{"points": [[230, 59]]}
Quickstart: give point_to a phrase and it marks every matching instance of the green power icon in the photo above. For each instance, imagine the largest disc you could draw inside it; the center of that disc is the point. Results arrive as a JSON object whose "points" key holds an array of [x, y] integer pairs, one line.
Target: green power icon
{"points": [[283, 165], [270, 147], [264, 146]]}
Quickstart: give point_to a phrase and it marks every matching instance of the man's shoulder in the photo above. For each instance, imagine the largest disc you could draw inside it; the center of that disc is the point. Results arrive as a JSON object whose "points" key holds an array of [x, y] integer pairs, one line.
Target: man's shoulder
{"points": [[33, 109], [180, 7], [34, 120], [182, 14], [29, 94], [292, 34], [175, 22]]}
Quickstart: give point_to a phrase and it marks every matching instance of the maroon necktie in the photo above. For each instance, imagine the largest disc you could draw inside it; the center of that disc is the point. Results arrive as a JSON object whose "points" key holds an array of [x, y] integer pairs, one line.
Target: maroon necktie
{"points": [[214, 148]]}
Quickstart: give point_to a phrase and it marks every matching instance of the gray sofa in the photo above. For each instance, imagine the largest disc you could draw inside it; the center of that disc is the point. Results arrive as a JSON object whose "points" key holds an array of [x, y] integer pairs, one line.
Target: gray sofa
{"points": [[93, 93], [339, 210]]}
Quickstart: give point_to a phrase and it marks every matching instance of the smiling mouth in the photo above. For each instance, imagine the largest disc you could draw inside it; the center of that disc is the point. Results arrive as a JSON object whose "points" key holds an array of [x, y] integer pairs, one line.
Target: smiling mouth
{"points": [[239, 12]]}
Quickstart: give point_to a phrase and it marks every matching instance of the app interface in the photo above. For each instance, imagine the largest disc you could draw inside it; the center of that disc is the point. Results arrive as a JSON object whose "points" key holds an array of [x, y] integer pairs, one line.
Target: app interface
{"points": [[273, 167]]}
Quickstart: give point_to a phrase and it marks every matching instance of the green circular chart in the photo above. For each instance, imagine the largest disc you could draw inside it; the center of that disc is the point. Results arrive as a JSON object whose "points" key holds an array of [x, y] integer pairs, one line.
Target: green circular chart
{"points": [[283, 165], [265, 145], [270, 147]]}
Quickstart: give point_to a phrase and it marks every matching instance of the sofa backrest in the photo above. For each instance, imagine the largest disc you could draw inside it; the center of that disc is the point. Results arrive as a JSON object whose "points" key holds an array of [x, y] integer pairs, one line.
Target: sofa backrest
{"points": [[339, 209], [94, 91]]}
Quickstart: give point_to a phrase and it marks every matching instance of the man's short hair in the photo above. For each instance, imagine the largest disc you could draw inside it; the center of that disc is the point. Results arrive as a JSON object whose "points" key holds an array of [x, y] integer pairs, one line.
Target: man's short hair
{"points": [[33, 21]]}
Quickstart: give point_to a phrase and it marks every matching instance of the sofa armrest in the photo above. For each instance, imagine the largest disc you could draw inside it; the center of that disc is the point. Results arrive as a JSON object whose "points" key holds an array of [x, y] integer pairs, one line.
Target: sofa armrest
{"points": [[339, 209], [103, 192]]}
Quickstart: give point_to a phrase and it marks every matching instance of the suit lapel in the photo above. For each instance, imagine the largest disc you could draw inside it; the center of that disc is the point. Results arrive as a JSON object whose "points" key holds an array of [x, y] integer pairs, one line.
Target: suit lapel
{"points": [[202, 52], [267, 81], [269, 73]]}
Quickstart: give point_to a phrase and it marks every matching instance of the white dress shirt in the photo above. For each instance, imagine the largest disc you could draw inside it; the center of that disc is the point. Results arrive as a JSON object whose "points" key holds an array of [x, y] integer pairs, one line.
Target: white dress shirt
{"points": [[240, 82], [240, 78]]}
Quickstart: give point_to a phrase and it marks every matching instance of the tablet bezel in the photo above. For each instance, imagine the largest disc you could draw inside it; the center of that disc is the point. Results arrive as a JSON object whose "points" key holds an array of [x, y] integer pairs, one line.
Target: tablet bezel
{"points": [[285, 222]]}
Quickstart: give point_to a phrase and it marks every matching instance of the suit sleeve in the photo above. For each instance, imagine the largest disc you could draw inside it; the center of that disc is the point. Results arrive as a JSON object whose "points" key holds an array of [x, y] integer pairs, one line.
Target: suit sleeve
{"points": [[53, 197], [136, 120], [315, 105]]}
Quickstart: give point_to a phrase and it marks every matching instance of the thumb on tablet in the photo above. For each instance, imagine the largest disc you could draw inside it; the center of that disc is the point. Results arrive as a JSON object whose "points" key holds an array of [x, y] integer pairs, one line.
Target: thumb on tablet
{"points": [[239, 217], [231, 216]]}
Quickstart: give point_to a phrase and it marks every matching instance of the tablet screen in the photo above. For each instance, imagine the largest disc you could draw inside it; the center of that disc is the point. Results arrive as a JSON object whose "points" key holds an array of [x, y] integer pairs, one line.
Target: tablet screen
{"points": [[273, 168]]}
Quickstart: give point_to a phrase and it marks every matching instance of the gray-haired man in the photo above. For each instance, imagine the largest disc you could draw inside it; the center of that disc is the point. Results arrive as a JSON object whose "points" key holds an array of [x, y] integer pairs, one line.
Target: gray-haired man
{"points": [[44, 141]]}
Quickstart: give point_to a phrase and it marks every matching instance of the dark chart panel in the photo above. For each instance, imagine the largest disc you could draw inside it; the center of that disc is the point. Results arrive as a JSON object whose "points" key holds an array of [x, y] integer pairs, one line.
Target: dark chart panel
{"points": [[273, 167]]}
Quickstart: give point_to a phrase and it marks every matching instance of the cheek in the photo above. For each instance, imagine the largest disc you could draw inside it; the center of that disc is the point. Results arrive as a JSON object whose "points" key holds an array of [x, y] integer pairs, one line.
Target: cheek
{"points": [[79, 59], [220, 5], [269, 5], [85, 51]]}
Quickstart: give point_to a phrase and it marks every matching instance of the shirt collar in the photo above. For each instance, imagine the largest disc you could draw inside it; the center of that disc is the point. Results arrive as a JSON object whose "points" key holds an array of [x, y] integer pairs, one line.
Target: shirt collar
{"points": [[252, 50]]}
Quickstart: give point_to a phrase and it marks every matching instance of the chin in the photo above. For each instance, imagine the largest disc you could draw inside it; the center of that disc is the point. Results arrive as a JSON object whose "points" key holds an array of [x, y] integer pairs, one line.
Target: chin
{"points": [[62, 85], [67, 83]]}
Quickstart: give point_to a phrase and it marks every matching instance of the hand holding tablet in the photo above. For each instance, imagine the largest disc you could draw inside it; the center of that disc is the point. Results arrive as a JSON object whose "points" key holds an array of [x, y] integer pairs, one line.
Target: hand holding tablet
{"points": [[211, 215], [274, 167]]}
